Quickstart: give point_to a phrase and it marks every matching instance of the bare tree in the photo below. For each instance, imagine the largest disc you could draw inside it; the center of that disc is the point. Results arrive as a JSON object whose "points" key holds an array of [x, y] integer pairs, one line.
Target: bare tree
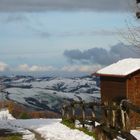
{"points": [[138, 9], [132, 34]]}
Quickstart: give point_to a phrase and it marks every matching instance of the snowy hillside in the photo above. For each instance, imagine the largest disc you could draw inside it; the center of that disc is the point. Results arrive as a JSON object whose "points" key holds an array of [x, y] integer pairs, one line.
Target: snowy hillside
{"points": [[49, 93]]}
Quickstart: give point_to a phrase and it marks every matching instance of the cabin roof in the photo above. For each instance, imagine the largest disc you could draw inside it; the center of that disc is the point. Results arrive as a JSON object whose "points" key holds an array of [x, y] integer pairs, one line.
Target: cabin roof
{"points": [[121, 68]]}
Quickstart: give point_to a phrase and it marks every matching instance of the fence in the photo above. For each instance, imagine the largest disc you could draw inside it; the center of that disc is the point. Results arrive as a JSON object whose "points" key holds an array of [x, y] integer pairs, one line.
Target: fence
{"points": [[113, 120]]}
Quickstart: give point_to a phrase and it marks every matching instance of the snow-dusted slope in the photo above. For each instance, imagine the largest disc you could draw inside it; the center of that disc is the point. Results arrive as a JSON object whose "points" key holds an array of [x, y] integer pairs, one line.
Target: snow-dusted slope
{"points": [[50, 93]]}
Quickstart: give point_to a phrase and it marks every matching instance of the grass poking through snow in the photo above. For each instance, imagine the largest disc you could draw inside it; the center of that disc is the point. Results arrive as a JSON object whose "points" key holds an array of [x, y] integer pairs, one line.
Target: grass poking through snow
{"points": [[71, 125]]}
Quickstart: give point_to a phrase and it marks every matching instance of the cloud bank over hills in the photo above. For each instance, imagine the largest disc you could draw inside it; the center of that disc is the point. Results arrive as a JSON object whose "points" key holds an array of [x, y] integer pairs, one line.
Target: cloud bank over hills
{"points": [[79, 62], [102, 56]]}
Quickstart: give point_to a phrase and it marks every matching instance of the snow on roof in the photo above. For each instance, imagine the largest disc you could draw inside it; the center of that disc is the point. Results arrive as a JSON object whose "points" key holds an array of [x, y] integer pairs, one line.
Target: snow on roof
{"points": [[121, 68]]}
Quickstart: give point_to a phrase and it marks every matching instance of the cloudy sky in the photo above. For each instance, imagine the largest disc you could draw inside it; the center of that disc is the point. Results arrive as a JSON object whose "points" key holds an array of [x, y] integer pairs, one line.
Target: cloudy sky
{"points": [[64, 37]]}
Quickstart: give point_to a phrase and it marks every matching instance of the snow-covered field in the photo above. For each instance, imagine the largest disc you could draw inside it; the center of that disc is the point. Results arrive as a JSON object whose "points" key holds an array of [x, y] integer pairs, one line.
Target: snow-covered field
{"points": [[49, 129]]}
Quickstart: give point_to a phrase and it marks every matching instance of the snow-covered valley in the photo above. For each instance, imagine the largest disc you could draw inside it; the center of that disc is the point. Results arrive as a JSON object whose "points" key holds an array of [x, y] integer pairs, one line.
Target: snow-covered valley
{"points": [[47, 93]]}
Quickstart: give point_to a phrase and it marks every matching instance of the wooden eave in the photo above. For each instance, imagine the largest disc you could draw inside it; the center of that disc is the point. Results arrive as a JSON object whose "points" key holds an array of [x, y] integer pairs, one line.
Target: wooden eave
{"points": [[110, 75]]}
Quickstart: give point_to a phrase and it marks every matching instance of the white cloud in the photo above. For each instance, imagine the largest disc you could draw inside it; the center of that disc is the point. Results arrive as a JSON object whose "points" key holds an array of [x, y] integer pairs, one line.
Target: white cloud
{"points": [[34, 68], [81, 68], [68, 69], [3, 66], [25, 68]]}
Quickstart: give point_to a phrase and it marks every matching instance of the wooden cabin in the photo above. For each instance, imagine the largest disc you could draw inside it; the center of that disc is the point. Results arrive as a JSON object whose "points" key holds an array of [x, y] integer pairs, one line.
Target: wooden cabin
{"points": [[121, 80]]}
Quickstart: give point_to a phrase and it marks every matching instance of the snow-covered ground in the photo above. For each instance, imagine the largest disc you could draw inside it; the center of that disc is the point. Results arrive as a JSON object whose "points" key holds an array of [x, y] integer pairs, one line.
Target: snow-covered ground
{"points": [[52, 129], [49, 129]]}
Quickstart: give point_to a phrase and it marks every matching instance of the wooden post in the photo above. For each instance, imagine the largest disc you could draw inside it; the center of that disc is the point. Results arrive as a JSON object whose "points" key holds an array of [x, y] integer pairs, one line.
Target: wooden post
{"points": [[63, 112], [93, 116], [125, 117], [127, 122], [93, 113], [123, 120], [67, 113], [83, 113], [73, 112], [114, 115], [107, 114]]}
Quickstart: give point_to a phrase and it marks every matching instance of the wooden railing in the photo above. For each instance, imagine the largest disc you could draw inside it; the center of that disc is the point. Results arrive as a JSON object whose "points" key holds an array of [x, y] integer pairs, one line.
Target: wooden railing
{"points": [[113, 119]]}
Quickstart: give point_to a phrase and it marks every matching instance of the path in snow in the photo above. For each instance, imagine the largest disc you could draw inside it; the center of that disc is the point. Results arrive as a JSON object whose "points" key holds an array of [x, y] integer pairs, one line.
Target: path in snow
{"points": [[52, 129], [37, 135], [44, 129]]}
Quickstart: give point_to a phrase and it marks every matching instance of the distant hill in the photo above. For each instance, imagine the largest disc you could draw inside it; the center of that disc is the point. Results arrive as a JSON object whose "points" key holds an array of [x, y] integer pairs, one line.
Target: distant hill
{"points": [[49, 93]]}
